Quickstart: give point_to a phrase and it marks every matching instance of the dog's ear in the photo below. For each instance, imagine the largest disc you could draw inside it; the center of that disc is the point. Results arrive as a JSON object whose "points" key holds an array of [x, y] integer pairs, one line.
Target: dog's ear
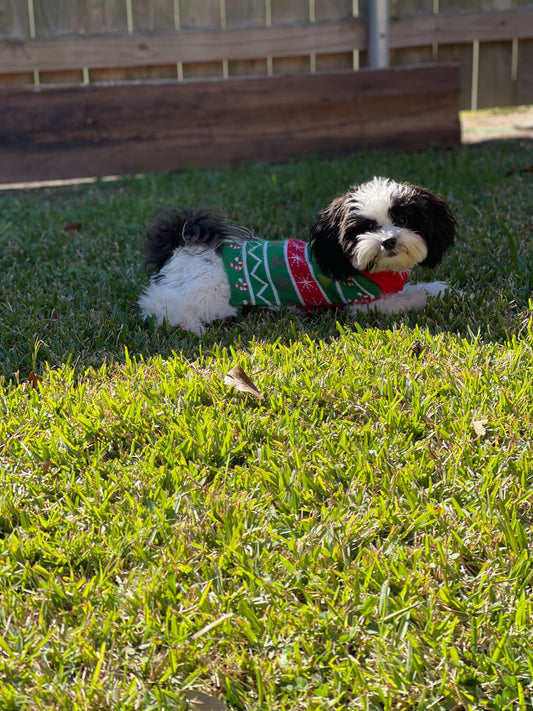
{"points": [[440, 227], [326, 240]]}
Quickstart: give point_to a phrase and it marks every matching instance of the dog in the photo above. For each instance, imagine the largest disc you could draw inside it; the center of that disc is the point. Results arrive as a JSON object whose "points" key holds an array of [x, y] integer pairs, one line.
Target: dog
{"points": [[361, 250]]}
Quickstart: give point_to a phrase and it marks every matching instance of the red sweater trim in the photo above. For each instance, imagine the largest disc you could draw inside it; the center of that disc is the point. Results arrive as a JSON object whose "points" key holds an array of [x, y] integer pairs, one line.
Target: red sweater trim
{"points": [[388, 281]]}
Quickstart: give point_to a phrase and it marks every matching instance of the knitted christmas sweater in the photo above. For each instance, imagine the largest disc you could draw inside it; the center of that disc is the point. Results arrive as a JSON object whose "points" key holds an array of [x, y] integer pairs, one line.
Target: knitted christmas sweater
{"points": [[282, 273]]}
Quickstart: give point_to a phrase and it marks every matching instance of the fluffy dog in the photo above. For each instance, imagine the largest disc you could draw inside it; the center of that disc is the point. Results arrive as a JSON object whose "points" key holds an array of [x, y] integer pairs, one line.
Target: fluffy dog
{"points": [[361, 250]]}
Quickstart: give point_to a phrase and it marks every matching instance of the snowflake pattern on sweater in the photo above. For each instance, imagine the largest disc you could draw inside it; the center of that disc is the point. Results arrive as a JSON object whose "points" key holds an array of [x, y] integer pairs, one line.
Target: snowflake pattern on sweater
{"points": [[273, 273]]}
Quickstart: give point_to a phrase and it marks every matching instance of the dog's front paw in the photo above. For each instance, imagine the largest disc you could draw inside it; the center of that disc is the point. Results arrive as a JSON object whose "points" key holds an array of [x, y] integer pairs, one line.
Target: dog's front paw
{"points": [[433, 288]]}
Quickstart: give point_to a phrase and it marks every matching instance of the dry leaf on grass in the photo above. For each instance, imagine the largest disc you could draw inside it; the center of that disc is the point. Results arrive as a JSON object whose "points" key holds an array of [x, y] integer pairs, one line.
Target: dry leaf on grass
{"points": [[525, 169], [417, 349], [479, 427], [34, 380], [237, 378]]}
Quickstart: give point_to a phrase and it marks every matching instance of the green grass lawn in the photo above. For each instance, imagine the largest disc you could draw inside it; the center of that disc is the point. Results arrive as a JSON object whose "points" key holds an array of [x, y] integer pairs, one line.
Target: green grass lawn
{"points": [[359, 539]]}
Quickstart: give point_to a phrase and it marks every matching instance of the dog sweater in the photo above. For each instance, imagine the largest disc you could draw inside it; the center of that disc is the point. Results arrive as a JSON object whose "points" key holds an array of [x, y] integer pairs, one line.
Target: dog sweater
{"points": [[275, 273]]}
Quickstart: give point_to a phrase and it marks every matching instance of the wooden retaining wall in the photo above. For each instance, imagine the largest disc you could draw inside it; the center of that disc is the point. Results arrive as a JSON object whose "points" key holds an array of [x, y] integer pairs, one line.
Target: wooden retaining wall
{"points": [[65, 132]]}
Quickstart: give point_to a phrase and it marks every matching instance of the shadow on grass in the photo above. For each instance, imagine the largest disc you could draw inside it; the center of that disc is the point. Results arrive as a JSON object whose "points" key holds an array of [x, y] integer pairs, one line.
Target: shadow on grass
{"points": [[71, 258], [101, 337]]}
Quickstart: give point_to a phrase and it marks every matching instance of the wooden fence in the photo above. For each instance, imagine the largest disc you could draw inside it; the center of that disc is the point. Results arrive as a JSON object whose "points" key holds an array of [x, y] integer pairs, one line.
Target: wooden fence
{"points": [[93, 87], [92, 41]]}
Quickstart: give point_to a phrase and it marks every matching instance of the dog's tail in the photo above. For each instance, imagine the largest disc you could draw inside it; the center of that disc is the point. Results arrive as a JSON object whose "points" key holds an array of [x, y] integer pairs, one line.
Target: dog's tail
{"points": [[176, 228]]}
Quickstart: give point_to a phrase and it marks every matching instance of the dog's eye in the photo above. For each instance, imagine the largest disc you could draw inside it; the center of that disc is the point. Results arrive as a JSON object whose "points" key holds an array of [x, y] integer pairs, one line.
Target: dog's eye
{"points": [[401, 220], [367, 224]]}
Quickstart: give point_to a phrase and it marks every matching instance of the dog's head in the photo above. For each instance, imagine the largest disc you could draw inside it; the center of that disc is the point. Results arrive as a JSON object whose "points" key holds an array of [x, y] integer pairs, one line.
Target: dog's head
{"points": [[380, 226]]}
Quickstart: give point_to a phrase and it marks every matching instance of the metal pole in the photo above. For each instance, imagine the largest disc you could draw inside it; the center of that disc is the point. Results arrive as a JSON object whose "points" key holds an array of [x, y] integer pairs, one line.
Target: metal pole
{"points": [[378, 34]]}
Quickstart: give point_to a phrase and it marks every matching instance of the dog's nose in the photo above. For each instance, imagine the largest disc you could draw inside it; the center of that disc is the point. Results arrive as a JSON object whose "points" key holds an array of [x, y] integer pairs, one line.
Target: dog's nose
{"points": [[389, 243]]}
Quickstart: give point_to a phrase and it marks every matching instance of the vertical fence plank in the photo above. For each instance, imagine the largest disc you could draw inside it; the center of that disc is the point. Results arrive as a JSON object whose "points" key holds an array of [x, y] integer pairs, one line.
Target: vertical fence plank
{"points": [[331, 62], [242, 14], [495, 86], [486, 69], [14, 25], [14, 21], [460, 54], [245, 13], [410, 7], [290, 13], [204, 15], [524, 75], [157, 15], [54, 18], [200, 15], [333, 9], [414, 55], [153, 15]]}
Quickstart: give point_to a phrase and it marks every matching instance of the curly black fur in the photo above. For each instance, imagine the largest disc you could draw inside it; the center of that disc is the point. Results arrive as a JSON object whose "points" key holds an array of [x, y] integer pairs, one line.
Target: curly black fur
{"points": [[327, 243], [430, 216], [178, 227]]}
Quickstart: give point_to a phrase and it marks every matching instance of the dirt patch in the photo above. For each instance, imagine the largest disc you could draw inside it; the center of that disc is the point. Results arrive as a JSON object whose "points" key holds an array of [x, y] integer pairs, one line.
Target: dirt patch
{"points": [[477, 126]]}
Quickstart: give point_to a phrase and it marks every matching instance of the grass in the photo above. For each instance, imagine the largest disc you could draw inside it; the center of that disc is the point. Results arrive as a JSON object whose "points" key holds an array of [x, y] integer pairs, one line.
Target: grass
{"points": [[359, 539]]}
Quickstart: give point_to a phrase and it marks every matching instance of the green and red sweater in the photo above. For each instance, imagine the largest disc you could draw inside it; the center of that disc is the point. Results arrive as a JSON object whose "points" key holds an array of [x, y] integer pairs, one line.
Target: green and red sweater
{"points": [[285, 273]]}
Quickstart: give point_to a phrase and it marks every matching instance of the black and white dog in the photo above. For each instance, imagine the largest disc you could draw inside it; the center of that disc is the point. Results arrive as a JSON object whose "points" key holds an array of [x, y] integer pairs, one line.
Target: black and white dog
{"points": [[361, 250]]}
